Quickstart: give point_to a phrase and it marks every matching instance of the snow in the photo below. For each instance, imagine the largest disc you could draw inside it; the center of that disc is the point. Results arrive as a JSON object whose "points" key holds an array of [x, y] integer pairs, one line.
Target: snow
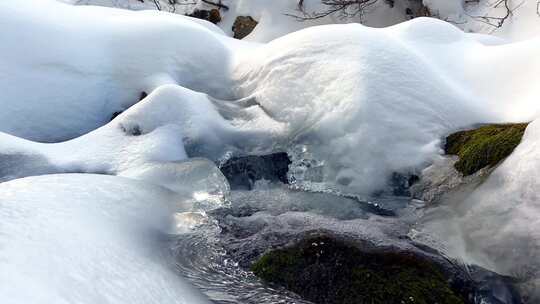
{"points": [[361, 103], [158, 129], [106, 235], [498, 225], [274, 20], [483, 16], [445, 8], [339, 91], [278, 19], [81, 71], [346, 101]]}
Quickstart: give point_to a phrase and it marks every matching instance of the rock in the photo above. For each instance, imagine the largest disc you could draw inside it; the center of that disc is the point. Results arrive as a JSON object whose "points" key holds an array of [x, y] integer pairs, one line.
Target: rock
{"points": [[250, 230], [402, 183], [212, 15], [326, 269], [243, 26], [441, 180], [484, 146], [243, 172], [472, 156], [115, 114]]}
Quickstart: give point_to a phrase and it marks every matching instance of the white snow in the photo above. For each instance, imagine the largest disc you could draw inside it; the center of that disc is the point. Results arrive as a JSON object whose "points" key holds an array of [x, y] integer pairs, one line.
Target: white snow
{"points": [[277, 19], [340, 91], [369, 102], [88, 239], [82, 64], [360, 102], [498, 225], [155, 130]]}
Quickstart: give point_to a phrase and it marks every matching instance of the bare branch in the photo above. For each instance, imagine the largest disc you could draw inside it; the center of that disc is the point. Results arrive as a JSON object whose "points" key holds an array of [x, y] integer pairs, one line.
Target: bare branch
{"points": [[218, 4], [344, 8]]}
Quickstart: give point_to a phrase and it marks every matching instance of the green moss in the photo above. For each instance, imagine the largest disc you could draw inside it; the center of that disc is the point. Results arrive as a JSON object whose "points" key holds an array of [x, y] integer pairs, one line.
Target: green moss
{"points": [[324, 270], [484, 146]]}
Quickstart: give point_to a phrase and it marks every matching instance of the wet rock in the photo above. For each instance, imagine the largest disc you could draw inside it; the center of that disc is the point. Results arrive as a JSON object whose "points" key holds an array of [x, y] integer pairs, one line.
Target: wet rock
{"points": [[243, 26], [320, 278], [242, 172], [401, 183], [143, 95], [212, 15], [328, 269], [115, 114], [441, 180], [472, 156]]}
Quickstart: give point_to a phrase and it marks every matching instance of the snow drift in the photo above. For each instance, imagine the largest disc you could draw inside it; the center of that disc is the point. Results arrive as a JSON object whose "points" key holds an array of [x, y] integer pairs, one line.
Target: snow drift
{"points": [[363, 102], [359, 103], [88, 239], [65, 69], [497, 225]]}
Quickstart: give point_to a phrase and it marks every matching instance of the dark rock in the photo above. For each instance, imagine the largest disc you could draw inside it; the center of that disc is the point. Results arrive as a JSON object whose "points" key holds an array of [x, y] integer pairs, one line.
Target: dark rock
{"points": [[212, 15], [401, 183], [242, 172], [243, 26], [115, 114], [326, 269], [484, 146], [143, 95], [131, 130]]}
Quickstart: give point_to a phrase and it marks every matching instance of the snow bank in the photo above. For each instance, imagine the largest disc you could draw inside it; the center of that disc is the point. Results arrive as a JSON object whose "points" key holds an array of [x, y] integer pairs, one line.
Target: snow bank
{"points": [[491, 17], [277, 19], [498, 225], [362, 102], [158, 129], [369, 102], [67, 69], [106, 235], [359, 103]]}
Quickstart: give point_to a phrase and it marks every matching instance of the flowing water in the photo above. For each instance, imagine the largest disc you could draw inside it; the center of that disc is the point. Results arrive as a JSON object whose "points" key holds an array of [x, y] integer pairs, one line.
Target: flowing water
{"points": [[215, 253]]}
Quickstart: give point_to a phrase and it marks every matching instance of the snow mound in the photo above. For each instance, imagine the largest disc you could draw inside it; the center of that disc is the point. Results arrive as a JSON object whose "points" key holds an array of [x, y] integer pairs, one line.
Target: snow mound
{"points": [[106, 234], [159, 129], [369, 102], [66, 74], [278, 19], [499, 223], [361, 102]]}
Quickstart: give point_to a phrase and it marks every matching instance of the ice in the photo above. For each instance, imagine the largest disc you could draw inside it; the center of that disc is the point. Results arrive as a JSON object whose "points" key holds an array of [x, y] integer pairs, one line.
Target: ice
{"points": [[197, 180], [88, 239]]}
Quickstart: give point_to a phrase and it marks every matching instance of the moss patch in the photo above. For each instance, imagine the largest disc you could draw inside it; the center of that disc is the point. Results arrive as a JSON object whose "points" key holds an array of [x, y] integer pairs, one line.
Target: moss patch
{"points": [[324, 270], [484, 146]]}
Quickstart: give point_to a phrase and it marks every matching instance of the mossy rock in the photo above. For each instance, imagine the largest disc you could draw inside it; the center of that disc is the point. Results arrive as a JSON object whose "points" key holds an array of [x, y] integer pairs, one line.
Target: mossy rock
{"points": [[325, 270], [484, 146]]}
